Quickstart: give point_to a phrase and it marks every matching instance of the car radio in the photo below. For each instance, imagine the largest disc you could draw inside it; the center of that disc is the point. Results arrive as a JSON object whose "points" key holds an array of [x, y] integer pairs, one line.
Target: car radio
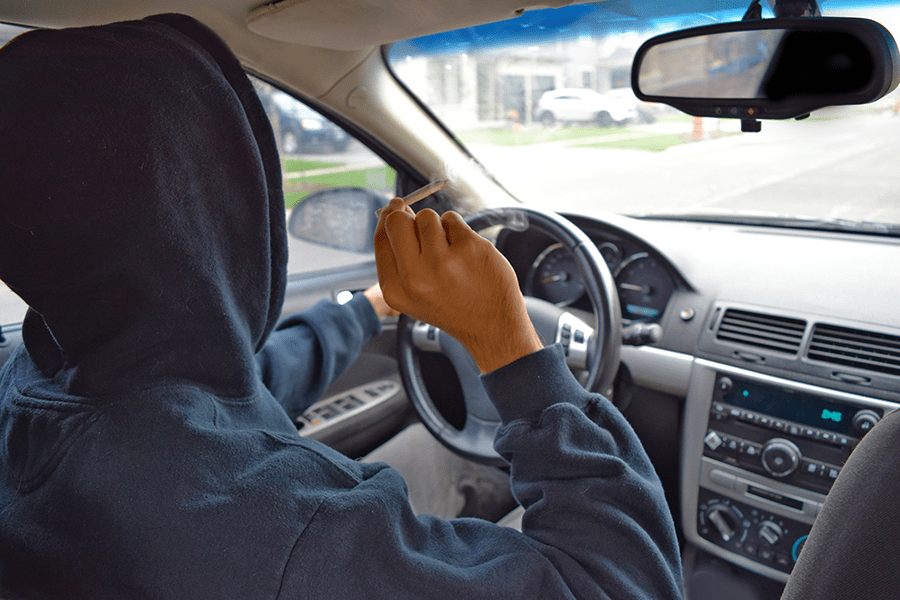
{"points": [[762, 453], [798, 438]]}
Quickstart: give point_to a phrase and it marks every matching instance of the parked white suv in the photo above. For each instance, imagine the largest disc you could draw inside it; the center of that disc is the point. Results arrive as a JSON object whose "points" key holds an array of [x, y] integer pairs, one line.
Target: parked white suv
{"points": [[573, 104]]}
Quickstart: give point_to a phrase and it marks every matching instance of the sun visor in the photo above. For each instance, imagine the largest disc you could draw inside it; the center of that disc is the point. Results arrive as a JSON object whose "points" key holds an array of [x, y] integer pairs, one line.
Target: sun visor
{"points": [[356, 24]]}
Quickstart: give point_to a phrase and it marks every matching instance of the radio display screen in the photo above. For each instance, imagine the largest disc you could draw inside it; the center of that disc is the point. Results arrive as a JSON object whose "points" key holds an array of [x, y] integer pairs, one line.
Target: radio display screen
{"points": [[792, 406]]}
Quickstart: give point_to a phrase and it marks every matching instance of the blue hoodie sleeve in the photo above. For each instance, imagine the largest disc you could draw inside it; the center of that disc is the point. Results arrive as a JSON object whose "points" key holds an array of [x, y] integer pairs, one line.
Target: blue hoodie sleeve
{"points": [[596, 522], [309, 350]]}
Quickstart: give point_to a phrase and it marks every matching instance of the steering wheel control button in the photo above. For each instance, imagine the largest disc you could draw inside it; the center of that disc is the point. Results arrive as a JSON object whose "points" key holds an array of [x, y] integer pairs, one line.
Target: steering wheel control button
{"points": [[574, 336], [780, 457], [426, 337]]}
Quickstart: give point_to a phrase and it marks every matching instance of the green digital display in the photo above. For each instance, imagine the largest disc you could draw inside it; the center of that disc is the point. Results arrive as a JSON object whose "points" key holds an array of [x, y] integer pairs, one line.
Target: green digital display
{"points": [[793, 406]]}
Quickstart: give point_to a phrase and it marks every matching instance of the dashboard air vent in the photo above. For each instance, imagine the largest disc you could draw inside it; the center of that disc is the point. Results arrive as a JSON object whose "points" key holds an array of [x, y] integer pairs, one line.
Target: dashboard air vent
{"points": [[770, 332], [855, 348]]}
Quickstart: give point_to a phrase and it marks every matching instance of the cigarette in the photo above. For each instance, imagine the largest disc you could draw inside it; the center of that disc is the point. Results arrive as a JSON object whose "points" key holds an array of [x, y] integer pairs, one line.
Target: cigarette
{"points": [[419, 194]]}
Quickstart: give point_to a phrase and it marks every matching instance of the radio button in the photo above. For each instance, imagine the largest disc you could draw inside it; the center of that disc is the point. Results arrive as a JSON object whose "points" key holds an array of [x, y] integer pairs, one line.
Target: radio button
{"points": [[780, 457], [748, 417], [712, 440], [811, 467], [794, 430], [752, 450], [735, 445], [718, 412]]}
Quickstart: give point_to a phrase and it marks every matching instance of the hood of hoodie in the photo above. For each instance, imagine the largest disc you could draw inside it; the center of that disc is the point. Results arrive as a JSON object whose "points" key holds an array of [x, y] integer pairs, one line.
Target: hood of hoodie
{"points": [[141, 211]]}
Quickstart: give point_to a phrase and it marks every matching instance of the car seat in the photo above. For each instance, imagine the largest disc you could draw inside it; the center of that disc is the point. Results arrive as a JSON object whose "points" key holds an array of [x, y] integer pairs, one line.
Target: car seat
{"points": [[852, 549]]}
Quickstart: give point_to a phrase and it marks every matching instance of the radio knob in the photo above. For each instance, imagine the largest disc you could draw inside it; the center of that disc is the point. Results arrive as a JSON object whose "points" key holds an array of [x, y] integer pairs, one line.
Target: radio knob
{"points": [[770, 532], [780, 457], [865, 420], [725, 384]]}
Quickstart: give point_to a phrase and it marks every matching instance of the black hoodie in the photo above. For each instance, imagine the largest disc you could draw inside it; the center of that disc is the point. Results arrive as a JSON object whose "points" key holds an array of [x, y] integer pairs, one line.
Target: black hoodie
{"points": [[145, 447]]}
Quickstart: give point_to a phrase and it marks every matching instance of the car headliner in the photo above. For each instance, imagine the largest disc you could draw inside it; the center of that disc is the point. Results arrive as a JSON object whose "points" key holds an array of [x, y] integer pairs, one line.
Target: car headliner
{"points": [[332, 24]]}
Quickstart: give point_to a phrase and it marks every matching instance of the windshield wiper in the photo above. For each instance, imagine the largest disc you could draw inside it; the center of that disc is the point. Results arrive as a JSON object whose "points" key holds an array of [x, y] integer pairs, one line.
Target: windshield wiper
{"points": [[816, 224]]}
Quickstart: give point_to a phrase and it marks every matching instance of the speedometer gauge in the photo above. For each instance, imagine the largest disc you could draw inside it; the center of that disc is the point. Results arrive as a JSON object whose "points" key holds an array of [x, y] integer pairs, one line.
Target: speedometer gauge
{"points": [[644, 287], [554, 277]]}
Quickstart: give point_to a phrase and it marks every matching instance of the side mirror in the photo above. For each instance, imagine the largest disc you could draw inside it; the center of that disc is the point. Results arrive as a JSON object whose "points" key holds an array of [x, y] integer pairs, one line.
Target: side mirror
{"points": [[341, 218], [768, 69]]}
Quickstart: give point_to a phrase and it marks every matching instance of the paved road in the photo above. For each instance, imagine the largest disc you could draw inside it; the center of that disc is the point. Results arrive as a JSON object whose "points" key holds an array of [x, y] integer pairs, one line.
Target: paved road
{"points": [[821, 168]]}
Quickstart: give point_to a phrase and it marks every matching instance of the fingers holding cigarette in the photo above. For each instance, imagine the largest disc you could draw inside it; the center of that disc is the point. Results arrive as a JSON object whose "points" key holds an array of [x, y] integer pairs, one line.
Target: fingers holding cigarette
{"points": [[420, 194], [438, 270]]}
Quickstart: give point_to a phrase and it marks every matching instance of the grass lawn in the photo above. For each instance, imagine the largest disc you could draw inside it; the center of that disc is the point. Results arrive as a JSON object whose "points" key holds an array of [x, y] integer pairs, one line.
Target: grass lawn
{"points": [[508, 137], [298, 188], [292, 165]]}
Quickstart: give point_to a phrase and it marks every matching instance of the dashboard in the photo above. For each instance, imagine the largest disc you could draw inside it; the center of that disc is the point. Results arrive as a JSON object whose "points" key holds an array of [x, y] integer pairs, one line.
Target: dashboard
{"points": [[780, 350]]}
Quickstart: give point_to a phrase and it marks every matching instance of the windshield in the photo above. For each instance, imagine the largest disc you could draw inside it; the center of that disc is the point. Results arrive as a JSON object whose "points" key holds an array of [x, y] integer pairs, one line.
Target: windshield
{"points": [[544, 102]]}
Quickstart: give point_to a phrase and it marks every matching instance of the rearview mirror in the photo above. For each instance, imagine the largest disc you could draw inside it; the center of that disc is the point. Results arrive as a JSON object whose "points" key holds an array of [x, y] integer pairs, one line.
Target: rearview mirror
{"points": [[768, 69]]}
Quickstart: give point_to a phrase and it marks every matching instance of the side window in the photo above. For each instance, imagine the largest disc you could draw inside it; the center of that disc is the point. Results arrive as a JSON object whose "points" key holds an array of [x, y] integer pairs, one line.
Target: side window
{"points": [[316, 155]]}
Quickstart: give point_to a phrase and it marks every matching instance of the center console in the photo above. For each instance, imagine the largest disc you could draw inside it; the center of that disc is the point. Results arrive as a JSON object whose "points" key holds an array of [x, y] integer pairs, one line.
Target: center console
{"points": [[760, 455]]}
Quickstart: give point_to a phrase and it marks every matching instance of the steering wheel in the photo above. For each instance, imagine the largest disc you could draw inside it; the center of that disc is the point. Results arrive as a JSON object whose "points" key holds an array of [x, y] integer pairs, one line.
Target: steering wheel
{"points": [[593, 348]]}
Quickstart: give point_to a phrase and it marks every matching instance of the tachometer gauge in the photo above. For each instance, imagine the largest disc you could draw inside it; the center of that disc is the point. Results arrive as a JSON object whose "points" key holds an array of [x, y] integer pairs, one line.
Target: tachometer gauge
{"points": [[644, 287], [554, 277]]}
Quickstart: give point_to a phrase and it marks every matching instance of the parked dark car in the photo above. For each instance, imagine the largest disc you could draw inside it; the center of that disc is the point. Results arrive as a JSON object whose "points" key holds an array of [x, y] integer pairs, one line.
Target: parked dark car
{"points": [[298, 128]]}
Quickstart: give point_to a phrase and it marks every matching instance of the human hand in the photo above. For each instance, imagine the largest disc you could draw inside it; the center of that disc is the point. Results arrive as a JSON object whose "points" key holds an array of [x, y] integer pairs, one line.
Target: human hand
{"points": [[376, 299], [437, 270]]}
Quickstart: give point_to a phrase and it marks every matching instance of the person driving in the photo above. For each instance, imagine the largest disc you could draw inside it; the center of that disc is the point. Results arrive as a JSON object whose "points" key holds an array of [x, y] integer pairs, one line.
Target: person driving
{"points": [[147, 446]]}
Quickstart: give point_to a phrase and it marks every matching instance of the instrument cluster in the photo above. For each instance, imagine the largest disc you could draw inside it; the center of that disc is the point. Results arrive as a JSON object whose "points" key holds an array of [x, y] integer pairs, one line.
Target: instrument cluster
{"points": [[643, 278]]}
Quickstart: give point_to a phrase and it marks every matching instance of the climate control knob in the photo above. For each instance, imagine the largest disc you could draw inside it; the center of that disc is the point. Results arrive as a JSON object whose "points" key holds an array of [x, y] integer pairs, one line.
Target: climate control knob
{"points": [[780, 457], [726, 522], [770, 532]]}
